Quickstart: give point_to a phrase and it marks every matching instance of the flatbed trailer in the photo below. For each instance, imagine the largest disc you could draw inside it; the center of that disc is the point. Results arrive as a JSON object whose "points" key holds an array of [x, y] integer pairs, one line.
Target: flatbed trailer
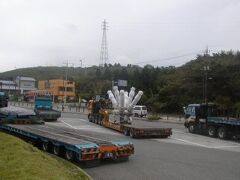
{"points": [[71, 144], [134, 130]]}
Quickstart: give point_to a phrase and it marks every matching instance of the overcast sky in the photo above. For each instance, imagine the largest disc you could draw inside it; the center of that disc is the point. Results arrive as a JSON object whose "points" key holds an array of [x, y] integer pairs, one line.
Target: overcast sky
{"points": [[50, 32]]}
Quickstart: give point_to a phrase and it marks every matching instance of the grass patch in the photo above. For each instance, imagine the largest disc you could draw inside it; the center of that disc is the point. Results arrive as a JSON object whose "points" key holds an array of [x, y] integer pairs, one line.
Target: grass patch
{"points": [[153, 117], [20, 160]]}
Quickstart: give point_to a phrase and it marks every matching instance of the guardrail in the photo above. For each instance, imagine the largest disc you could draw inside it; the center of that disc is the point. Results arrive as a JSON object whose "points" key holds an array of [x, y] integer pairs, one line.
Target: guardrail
{"points": [[56, 106]]}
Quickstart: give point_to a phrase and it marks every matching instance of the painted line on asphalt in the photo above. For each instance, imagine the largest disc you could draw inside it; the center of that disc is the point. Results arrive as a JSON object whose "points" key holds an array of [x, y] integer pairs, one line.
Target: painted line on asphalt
{"points": [[77, 119], [202, 145], [81, 128], [189, 142], [67, 124], [220, 147]]}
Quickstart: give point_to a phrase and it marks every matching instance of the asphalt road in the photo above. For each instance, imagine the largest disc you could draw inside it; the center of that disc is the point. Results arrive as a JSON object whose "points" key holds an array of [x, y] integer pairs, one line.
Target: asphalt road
{"points": [[182, 156]]}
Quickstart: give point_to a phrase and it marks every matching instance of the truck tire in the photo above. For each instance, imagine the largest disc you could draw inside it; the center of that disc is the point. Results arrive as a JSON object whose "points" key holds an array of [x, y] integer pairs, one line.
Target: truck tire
{"points": [[132, 134], [45, 146], [191, 128], [56, 150], [222, 133], [212, 131], [69, 155], [126, 132]]}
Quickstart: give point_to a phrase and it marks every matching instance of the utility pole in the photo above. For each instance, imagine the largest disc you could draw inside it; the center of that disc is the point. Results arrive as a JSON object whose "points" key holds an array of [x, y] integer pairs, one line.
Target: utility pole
{"points": [[104, 49], [81, 62], [65, 87], [206, 69]]}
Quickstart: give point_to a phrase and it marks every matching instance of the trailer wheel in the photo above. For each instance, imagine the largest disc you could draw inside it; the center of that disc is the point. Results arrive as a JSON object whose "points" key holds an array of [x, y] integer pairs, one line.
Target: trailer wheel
{"points": [[222, 133], [45, 146], [212, 131], [126, 132], [191, 128], [69, 155], [56, 150], [132, 134]]}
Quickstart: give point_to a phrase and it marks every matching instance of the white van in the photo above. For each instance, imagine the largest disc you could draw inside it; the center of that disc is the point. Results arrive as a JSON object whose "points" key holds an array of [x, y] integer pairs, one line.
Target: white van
{"points": [[140, 111]]}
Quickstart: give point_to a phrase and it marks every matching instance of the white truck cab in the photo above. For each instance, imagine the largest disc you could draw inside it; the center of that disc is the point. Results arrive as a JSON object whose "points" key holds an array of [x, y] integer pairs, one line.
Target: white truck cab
{"points": [[140, 110]]}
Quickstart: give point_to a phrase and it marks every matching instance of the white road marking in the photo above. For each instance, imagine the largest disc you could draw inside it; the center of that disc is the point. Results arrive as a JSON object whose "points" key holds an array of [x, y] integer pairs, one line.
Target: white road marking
{"points": [[219, 147], [67, 124], [189, 142], [232, 146]]}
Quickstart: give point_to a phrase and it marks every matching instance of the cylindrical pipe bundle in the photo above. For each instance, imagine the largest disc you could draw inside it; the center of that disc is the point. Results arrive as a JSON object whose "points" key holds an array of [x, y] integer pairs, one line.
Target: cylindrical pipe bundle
{"points": [[113, 100], [131, 95], [121, 99], [137, 98], [126, 99], [116, 94]]}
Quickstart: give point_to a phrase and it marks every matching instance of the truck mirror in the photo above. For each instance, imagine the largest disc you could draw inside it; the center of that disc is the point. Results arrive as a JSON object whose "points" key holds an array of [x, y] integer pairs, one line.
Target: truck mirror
{"points": [[184, 109]]}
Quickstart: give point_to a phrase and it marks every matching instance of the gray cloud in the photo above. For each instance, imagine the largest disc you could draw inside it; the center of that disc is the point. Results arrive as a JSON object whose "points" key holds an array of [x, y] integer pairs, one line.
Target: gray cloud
{"points": [[47, 32]]}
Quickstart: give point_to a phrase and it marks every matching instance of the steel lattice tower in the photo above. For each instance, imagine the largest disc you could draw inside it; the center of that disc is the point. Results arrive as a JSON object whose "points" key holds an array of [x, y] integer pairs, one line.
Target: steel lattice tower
{"points": [[104, 49]]}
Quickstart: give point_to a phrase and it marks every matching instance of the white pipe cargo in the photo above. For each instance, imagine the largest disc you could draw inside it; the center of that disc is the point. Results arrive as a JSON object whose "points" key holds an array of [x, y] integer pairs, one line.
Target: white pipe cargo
{"points": [[113, 100], [131, 95], [137, 98], [116, 93], [121, 99], [126, 99]]}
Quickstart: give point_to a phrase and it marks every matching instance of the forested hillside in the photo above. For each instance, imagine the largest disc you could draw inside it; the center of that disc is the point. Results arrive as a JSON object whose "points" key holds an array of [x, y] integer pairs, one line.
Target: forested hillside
{"points": [[166, 89]]}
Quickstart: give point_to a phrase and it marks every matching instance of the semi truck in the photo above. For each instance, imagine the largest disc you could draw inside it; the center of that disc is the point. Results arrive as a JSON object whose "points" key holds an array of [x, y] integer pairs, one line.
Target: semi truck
{"points": [[120, 118], [44, 108], [208, 119]]}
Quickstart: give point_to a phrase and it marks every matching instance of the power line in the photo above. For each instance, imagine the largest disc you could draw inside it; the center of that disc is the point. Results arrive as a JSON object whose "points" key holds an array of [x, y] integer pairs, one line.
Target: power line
{"points": [[170, 58]]}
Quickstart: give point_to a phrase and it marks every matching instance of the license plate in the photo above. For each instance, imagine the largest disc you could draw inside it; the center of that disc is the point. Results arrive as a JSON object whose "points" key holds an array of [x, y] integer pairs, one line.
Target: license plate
{"points": [[108, 155]]}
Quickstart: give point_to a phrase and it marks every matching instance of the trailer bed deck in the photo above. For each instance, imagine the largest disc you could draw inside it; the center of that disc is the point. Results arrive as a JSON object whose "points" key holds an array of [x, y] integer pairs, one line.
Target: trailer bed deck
{"points": [[72, 144], [65, 135]]}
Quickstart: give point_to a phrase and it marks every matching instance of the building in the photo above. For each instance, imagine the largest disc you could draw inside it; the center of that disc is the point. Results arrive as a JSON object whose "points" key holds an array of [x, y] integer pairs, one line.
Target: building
{"points": [[8, 86], [25, 84], [57, 88]]}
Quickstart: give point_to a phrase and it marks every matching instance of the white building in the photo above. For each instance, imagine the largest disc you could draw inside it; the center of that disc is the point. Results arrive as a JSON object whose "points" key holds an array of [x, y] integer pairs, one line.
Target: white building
{"points": [[25, 84], [8, 86]]}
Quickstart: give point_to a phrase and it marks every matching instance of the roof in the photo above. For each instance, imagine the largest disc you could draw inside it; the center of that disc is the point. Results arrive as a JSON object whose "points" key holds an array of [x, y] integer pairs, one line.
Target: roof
{"points": [[4, 82], [26, 78]]}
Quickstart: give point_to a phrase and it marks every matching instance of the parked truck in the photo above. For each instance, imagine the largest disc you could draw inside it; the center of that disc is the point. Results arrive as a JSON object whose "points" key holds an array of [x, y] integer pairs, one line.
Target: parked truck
{"points": [[120, 118], [3, 99], [208, 119], [44, 108]]}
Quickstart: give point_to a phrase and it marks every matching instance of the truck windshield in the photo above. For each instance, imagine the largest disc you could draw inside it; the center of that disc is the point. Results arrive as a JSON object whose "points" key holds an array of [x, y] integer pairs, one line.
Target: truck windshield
{"points": [[144, 108]]}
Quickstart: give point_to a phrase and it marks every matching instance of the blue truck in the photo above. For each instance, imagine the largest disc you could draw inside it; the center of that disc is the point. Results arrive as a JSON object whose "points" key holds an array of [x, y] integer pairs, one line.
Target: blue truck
{"points": [[44, 108], [210, 120]]}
